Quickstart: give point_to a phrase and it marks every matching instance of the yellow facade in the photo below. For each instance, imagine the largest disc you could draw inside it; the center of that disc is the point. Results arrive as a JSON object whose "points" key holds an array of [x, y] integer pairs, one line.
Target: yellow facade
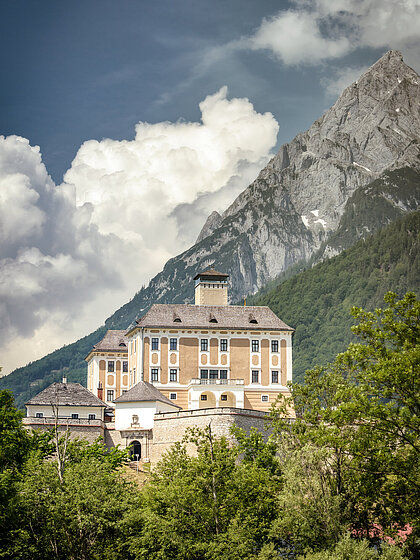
{"points": [[207, 368], [205, 355]]}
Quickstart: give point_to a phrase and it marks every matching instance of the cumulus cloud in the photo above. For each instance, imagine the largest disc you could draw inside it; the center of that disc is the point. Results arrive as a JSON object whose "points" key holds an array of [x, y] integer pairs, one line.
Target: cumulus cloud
{"points": [[322, 30], [135, 186], [49, 250], [71, 254]]}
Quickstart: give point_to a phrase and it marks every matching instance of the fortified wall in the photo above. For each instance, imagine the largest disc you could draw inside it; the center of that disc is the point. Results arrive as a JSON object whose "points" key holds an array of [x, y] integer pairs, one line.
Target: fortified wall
{"points": [[79, 428], [170, 427]]}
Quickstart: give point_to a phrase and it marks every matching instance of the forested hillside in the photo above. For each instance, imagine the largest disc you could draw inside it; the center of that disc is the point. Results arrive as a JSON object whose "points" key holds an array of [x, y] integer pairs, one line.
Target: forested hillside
{"points": [[317, 302]]}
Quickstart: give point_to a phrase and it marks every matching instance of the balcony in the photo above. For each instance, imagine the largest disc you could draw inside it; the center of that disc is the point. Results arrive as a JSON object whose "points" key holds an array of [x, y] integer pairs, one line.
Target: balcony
{"points": [[198, 381]]}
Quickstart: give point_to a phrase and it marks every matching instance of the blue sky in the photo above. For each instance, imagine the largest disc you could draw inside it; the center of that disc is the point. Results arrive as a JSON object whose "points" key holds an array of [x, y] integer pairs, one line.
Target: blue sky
{"points": [[148, 115], [77, 70]]}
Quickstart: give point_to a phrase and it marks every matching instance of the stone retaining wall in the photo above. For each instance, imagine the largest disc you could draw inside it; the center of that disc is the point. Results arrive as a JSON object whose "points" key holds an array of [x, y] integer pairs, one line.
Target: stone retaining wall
{"points": [[170, 427]]}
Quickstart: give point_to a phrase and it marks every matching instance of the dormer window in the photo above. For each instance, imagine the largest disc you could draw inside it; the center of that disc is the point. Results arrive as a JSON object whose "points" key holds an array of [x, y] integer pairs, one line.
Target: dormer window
{"points": [[212, 318], [176, 318], [123, 344], [252, 319]]}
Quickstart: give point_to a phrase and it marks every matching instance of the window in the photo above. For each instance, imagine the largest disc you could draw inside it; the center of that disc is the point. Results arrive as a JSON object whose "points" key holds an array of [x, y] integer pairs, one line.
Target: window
{"points": [[110, 395], [264, 398], [214, 374], [255, 345], [123, 391], [255, 376], [172, 396], [173, 375], [274, 377], [203, 397], [274, 345], [223, 345], [223, 374], [173, 344], [223, 397], [111, 366], [39, 415], [204, 373], [155, 344], [125, 366], [204, 344], [91, 416], [74, 416], [154, 375], [135, 419]]}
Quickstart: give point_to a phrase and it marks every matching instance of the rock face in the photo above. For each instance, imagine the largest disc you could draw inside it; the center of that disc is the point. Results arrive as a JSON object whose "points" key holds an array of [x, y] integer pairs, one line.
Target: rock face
{"points": [[298, 200]]}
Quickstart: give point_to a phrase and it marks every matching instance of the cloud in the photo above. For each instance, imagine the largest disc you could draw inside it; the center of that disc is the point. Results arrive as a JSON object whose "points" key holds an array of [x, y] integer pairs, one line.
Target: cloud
{"points": [[49, 251], [135, 186], [322, 30], [295, 37], [343, 78], [73, 253]]}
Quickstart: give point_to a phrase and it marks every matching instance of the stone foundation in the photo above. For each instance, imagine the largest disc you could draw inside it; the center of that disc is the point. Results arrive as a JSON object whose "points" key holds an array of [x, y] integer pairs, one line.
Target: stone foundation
{"points": [[89, 430]]}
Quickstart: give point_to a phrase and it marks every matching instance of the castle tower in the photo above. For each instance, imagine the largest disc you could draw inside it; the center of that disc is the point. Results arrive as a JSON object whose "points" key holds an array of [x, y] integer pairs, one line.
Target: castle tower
{"points": [[211, 288]]}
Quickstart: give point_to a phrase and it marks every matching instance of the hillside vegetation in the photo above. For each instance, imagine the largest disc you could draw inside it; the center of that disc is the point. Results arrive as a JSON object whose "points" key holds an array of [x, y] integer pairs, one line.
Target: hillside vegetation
{"points": [[317, 302]]}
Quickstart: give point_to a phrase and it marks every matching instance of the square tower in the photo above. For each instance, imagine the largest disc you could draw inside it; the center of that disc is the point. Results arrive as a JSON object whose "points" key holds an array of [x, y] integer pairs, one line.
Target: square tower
{"points": [[211, 288]]}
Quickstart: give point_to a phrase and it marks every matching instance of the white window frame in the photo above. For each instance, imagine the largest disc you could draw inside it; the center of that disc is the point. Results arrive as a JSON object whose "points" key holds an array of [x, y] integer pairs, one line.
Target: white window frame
{"points": [[154, 371]]}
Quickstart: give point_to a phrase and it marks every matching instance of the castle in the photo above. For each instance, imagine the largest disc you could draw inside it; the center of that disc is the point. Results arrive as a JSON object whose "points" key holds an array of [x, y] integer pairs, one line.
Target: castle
{"points": [[177, 366]]}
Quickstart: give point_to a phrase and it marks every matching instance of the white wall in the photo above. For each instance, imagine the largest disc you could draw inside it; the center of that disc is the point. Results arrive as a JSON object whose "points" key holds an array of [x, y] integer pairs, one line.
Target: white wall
{"points": [[124, 414], [144, 410], [65, 411]]}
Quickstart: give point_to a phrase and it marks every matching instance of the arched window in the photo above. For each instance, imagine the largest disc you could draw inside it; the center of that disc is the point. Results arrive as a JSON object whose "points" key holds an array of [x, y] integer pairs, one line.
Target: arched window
{"points": [[135, 450]]}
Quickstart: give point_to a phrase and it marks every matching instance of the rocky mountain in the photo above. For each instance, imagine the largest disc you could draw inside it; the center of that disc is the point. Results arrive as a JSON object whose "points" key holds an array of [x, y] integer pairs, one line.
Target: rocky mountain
{"points": [[356, 169], [296, 204]]}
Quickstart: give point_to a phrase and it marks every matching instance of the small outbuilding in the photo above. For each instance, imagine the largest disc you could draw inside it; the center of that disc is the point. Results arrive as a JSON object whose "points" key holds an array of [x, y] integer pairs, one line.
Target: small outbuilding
{"points": [[136, 408]]}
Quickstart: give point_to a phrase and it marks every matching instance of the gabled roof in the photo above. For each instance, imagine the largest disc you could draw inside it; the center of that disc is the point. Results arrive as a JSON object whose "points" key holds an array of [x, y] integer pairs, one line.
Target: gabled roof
{"points": [[143, 392], [66, 394], [211, 316], [113, 341]]}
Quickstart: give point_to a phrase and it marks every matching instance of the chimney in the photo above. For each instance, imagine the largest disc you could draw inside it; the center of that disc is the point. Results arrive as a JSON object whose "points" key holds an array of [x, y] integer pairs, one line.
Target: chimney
{"points": [[64, 379], [100, 392]]}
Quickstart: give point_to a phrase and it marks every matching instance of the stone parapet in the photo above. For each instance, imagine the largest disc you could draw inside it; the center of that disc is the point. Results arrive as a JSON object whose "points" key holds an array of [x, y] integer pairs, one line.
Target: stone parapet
{"points": [[170, 427]]}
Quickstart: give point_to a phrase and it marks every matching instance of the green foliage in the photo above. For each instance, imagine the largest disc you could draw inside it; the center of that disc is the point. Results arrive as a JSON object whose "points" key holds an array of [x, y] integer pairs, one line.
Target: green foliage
{"points": [[257, 449], [208, 506], [317, 302], [349, 549], [360, 415], [81, 518], [313, 513], [81, 450]]}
